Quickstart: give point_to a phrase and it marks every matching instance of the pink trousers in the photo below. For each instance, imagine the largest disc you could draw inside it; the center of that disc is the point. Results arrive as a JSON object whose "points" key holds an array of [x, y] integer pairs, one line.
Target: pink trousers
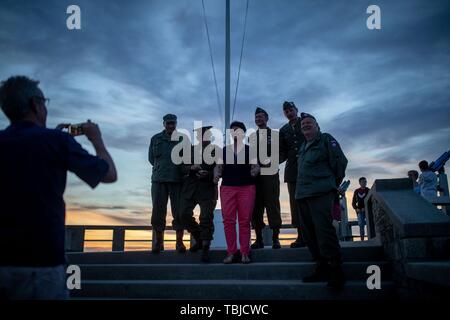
{"points": [[237, 202]]}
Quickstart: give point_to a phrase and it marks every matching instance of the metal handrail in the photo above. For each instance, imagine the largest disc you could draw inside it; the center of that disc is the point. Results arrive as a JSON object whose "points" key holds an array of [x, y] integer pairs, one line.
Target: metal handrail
{"points": [[76, 235]]}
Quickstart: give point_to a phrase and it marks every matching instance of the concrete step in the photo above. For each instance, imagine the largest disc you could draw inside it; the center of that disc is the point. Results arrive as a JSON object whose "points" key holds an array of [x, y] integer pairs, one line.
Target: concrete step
{"points": [[355, 252], [227, 289], [218, 271], [434, 272]]}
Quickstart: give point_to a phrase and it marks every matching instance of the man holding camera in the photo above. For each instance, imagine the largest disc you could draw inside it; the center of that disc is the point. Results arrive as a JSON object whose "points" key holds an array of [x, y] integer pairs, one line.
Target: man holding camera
{"points": [[166, 183], [33, 170]]}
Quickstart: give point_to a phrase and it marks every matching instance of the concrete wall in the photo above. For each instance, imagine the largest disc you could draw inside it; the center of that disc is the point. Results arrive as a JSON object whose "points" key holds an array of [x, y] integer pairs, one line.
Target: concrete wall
{"points": [[409, 228]]}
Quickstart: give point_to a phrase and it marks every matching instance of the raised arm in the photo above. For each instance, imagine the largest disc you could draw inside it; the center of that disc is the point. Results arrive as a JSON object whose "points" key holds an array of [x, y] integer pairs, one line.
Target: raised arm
{"points": [[92, 132]]}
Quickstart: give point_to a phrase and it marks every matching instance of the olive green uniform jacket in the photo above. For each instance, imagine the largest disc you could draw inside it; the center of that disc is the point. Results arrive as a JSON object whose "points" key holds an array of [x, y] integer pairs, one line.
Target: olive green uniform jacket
{"points": [[321, 166], [291, 139], [159, 155]]}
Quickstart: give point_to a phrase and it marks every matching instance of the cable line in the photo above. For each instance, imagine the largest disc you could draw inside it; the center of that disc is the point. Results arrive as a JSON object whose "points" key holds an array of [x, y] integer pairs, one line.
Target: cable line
{"points": [[212, 62], [240, 60]]}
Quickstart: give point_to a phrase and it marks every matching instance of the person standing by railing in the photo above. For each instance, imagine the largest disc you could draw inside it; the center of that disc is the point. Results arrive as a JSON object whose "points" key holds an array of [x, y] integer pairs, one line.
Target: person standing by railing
{"points": [[33, 170], [359, 196], [166, 183], [237, 192], [427, 181], [291, 138], [199, 189], [413, 175], [267, 188]]}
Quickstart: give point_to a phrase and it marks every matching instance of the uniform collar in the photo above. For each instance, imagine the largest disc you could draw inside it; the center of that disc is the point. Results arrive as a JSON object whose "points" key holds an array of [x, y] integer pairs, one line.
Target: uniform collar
{"points": [[165, 135], [296, 123], [313, 141]]}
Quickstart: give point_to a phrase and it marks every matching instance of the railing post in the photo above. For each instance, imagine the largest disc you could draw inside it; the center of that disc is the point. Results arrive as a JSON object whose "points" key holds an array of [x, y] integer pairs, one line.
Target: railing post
{"points": [[118, 239], [370, 223], [75, 239], [344, 229], [154, 239], [267, 236], [443, 186], [191, 240]]}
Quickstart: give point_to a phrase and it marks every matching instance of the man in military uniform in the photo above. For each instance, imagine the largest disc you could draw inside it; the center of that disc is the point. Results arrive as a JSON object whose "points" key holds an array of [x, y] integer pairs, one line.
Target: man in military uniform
{"points": [[267, 190], [166, 182], [199, 189], [291, 138], [321, 169]]}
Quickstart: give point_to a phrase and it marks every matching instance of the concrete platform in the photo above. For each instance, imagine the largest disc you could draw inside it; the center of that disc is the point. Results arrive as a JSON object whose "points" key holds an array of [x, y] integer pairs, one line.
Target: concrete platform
{"points": [[354, 252], [229, 289], [435, 272], [216, 271]]}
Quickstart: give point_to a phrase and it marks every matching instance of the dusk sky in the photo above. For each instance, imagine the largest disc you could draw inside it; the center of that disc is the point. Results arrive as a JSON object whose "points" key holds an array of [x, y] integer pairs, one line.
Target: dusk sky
{"points": [[383, 94]]}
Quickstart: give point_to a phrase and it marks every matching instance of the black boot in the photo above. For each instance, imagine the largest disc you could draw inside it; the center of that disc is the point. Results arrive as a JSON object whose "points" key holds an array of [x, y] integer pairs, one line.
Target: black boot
{"points": [[275, 239], [298, 243], [205, 251], [321, 273], [197, 243], [258, 244], [158, 244], [179, 246], [337, 277]]}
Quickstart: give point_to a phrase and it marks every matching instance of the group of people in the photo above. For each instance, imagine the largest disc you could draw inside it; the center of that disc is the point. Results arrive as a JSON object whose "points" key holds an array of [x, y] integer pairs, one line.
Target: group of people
{"points": [[315, 167], [425, 184], [33, 171]]}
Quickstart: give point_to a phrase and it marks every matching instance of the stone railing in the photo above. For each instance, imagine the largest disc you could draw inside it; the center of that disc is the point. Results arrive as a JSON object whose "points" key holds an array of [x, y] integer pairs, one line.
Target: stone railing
{"points": [[76, 236], [410, 228]]}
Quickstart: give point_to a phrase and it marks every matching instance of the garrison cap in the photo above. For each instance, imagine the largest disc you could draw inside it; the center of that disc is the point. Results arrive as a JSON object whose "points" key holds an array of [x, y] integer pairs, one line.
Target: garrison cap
{"points": [[289, 104], [261, 110], [305, 115], [170, 117]]}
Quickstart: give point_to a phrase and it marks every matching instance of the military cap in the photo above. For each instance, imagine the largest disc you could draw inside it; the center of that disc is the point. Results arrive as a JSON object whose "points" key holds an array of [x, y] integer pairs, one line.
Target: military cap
{"points": [[170, 117], [305, 115], [261, 110], [289, 104]]}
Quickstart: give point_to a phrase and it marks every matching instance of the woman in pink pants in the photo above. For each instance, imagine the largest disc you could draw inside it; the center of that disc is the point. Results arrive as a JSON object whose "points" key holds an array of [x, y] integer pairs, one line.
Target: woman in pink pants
{"points": [[237, 192]]}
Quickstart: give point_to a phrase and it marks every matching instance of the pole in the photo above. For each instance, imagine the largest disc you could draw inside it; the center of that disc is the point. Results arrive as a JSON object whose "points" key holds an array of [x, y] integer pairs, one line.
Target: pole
{"points": [[443, 186], [344, 219], [227, 69]]}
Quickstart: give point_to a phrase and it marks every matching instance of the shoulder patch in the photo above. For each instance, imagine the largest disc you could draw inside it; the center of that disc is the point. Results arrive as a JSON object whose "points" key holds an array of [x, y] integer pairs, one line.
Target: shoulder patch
{"points": [[334, 143]]}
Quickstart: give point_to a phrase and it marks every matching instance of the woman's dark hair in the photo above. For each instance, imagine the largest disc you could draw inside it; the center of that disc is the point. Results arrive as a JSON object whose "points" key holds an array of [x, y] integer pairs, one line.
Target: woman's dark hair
{"points": [[239, 125], [423, 165], [414, 173], [362, 178]]}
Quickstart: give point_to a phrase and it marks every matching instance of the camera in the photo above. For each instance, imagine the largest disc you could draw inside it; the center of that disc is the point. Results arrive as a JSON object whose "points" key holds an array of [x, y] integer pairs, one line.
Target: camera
{"points": [[76, 129]]}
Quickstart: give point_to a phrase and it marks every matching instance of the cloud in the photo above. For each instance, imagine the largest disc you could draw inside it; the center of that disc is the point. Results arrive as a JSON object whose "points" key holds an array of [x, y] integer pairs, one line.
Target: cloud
{"points": [[383, 94]]}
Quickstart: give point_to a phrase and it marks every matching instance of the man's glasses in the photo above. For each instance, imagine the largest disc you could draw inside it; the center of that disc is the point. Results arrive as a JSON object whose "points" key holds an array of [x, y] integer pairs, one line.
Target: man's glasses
{"points": [[46, 100]]}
